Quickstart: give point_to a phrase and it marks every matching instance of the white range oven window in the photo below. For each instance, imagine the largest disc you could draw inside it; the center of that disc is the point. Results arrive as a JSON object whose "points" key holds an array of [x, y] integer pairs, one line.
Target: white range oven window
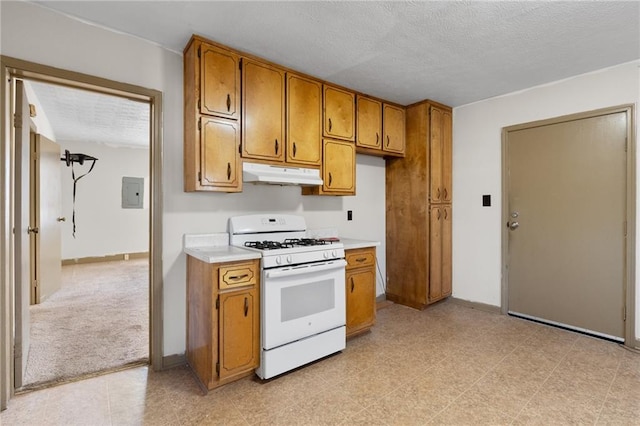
{"points": [[302, 301]]}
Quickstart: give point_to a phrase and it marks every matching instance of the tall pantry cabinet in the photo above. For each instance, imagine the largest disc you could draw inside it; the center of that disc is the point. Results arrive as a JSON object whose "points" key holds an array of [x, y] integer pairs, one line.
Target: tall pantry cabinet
{"points": [[418, 209]]}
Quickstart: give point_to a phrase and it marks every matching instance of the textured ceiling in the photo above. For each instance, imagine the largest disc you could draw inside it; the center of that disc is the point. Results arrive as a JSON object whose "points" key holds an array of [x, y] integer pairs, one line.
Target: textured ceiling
{"points": [[454, 52], [82, 116]]}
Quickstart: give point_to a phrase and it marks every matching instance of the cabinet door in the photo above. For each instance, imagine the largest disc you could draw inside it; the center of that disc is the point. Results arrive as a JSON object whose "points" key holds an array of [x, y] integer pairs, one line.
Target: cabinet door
{"points": [[361, 295], [440, 156], [220, 167], [219, 82], [435, 254], [445, 249], [304, 120], [394, 129], [338, 167], [440, 253], [262, 111], [239, 332], [339, 113], [369, 123]]}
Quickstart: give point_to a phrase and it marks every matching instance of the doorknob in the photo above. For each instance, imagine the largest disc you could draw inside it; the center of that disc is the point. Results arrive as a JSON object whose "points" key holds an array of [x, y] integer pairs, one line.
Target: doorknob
{"points": [[513, 225], [61, 219], [31, 230]]}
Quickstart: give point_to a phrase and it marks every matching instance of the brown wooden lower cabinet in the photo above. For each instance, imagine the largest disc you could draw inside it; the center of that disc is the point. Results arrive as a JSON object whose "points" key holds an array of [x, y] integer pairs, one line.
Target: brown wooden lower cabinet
{"points": [[360, 290], [440, 253], [223, 320]]}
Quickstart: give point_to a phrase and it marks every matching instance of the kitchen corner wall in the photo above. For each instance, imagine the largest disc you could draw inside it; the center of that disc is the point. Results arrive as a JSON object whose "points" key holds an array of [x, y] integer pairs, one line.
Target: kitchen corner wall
{"points": [[36, 34], [477, 167]]}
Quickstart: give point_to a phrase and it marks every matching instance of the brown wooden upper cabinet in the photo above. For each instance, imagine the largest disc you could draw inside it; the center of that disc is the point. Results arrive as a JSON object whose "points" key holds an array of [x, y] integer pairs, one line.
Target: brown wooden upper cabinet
{"points": [[339, 113], [338, 169], [219, 82], [211, 112], [369, 122], [263, 111], [380, 128], [394, 129], [440, 155], [221, 167], [304, 120]]}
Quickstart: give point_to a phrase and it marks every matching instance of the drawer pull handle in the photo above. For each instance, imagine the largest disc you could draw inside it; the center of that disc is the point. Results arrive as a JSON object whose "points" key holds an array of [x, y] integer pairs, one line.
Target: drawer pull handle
{"points": [[445, 193], [228, 171], [438, 194], [330, 179], [238, 277], [352, 285], [438, 210], [445, 214], [228, 102], [294, 149], [377, 139], [246, 306], [276, 146], [388, 141], [361, 259]]}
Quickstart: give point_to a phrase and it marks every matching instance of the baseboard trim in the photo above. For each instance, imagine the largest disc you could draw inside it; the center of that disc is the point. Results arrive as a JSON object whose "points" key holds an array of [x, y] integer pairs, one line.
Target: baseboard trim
{"points": [[108, 258], [477, 305], [172, 361]]}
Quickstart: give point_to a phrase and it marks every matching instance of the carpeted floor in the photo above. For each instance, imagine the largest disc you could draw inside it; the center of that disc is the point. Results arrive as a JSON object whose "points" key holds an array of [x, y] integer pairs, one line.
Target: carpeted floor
{"points": [[98, 320]]}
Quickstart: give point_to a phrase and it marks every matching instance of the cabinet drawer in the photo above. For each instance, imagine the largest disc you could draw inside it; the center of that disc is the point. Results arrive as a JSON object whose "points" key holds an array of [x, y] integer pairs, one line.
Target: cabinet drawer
{"points": [[359, 258], [237, 275]]}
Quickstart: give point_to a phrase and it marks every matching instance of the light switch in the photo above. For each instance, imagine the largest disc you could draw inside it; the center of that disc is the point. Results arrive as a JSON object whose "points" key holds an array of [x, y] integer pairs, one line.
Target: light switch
{"points": [[132, 192]]}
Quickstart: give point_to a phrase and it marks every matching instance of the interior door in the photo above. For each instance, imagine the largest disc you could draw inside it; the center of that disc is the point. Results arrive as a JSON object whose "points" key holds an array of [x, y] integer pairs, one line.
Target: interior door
{"points": [[567, 208], [21, 234], [48, 218]]}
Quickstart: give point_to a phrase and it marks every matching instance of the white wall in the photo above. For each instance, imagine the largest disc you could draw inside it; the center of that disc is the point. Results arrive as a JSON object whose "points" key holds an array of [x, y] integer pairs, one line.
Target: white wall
{"points": [[31, 33], [477, 169], [103, 227]]}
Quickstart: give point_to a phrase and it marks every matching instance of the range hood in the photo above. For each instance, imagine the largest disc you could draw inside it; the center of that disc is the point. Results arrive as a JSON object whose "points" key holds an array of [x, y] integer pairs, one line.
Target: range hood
{"points": [[278, 175]]}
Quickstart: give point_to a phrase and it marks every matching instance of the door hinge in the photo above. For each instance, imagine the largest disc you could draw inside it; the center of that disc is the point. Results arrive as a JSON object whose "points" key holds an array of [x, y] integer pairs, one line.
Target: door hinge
{"points": [[240, 64], [240, 148], [199, 51], [199, 103], [218, 303], [626, 142], [625, 228], [200, 124], [218, 368], [624, 313], [200, 180]]}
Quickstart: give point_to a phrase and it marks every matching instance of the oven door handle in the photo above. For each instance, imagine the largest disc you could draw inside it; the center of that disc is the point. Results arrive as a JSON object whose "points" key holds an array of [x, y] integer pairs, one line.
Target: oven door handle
{"points": [[304, 269]]}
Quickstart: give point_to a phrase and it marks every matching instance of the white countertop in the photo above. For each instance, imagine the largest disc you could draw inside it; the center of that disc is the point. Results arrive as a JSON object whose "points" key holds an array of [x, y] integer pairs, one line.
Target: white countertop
{"points": [[220, 254], [351, 243], [215, 248]]}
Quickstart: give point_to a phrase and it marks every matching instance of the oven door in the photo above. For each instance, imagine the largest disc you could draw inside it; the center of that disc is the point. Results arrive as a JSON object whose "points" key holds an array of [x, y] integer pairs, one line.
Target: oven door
{"points": [[301, 301]]}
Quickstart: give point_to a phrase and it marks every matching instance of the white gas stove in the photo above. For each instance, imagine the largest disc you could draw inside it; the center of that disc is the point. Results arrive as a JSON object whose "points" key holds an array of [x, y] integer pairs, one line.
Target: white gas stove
{"points": [[302, 290]]}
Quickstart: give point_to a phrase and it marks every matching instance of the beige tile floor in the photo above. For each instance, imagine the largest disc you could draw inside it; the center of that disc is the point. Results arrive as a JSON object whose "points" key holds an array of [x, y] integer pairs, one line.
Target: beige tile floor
{"points": [[447, 365]]}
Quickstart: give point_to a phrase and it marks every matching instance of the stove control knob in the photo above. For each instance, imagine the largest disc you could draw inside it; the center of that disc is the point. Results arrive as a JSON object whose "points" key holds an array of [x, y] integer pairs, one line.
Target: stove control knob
{"points": [[325, 254], [334, 253], [289, 260], [278, 260]]}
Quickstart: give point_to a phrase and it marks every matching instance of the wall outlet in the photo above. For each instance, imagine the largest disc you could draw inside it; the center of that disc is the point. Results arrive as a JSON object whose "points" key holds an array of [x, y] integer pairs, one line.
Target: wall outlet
{"points": [[349, 214], [126, 256]]}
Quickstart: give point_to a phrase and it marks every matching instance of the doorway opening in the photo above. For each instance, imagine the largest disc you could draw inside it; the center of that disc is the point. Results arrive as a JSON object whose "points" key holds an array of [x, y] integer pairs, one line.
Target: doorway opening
{"points": [[89, 275], [150, 263]]}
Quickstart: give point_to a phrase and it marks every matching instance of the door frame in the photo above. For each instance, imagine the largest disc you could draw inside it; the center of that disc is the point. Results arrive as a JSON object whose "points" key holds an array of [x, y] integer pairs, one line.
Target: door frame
{"points": [[629, 283], [16, 68]]}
